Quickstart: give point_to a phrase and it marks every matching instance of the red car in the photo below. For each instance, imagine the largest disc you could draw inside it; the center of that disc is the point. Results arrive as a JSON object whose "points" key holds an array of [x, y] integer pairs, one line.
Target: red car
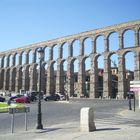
{"points": [[22, 100]]}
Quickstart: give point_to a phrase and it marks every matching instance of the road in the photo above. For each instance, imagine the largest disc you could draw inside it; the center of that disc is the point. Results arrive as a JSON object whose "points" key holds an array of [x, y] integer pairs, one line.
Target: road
{"points": [[61, 112]]}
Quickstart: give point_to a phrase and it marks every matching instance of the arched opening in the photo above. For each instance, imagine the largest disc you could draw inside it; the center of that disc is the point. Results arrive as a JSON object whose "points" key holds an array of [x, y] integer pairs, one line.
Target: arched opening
{"points": [[113, 42], [55, 52], [75, 77], [87, 78], [76, 48], [114, 75], [10, 60], [30, 54], [65, 50], [100, 44], [129, 38], [100, 71], [87, 46], [129, 69], [16, 59], [46, 53], [23, 56]]}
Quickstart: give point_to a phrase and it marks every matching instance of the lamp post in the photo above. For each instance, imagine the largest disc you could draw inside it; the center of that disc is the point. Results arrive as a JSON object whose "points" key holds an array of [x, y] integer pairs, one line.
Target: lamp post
{"points": [[39, 115]]}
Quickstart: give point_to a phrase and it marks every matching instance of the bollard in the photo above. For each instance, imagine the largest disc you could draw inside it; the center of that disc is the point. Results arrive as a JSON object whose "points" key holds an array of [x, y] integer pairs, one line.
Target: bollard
{"points": [[87, 120]]}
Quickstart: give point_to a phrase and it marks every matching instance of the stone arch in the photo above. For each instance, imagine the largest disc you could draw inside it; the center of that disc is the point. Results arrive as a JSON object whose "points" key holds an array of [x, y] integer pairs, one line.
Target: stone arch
{"points": [[75, 47], [30, 56], [113, 37], [87, 42], [16, 56], [128, 38], [55, 52], [46, 50], [113, 74], [65, 50], [99, 43]]}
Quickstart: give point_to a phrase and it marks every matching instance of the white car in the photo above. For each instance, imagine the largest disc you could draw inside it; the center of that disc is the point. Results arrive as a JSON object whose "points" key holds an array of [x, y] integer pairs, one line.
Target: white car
{"points": [[62, 97]]}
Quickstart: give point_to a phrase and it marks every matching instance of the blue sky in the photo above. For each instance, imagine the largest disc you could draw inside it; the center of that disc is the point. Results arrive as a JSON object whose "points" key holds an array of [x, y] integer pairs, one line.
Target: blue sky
{"points": [[24, 22]]}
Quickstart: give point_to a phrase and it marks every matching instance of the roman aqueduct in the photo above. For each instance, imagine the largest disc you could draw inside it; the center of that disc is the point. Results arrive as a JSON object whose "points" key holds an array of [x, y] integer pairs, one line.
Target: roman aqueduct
{"points": [[19, 67]]}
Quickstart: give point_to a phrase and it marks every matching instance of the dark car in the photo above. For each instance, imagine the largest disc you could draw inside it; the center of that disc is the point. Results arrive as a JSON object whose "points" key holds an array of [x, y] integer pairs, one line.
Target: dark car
{"points": [[2, 99], [53, 97], [14, 97]]}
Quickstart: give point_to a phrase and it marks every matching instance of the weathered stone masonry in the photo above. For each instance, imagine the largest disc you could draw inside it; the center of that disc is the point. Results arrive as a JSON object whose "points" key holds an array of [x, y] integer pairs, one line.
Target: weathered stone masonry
{"points": [[18, 75]]}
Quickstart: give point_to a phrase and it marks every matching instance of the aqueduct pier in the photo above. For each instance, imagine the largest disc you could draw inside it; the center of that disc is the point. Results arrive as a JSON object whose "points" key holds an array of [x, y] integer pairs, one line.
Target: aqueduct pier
{"points": [[19, 67]]}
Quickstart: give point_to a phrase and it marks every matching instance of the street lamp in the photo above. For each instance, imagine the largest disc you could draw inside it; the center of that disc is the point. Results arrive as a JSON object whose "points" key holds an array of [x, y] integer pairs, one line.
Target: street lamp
{"points": [[39, 115]]}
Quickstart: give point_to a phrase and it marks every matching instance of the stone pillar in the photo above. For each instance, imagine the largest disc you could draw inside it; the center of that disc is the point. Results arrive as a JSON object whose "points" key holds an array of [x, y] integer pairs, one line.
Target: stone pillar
{"points": [[60, 52], [106, 43], [136, 38], [60, 77], [13, 60], [7, 61], [50, 79], [25, 78], [33, 78], [93, 78], [121, 41], [93, 45], [137, 66], [50, 53], [12, 79], [87, 120], [81, 47], [106, 77], [18, 84], [81, 77], [6, 79], [121, 78], [20, 59], [2, 62], [26, 58], [70, 76], [34, 56], [1, 78], [70, 50]]}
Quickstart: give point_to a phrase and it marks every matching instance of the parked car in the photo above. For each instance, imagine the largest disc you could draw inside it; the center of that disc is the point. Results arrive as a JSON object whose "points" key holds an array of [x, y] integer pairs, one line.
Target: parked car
{"points": [[53, 97], [2, 99], [62, 96], [14, 97], [22, 100]]}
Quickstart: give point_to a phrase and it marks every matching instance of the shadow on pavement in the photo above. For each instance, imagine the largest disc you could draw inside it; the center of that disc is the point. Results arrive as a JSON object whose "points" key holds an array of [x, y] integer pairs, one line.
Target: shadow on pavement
{"points": [[48, 130], [107, 129]]}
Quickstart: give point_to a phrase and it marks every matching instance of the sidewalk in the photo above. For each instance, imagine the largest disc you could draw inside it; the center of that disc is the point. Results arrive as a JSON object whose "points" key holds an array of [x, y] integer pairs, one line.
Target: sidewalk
{"points": [[126, 126]]}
